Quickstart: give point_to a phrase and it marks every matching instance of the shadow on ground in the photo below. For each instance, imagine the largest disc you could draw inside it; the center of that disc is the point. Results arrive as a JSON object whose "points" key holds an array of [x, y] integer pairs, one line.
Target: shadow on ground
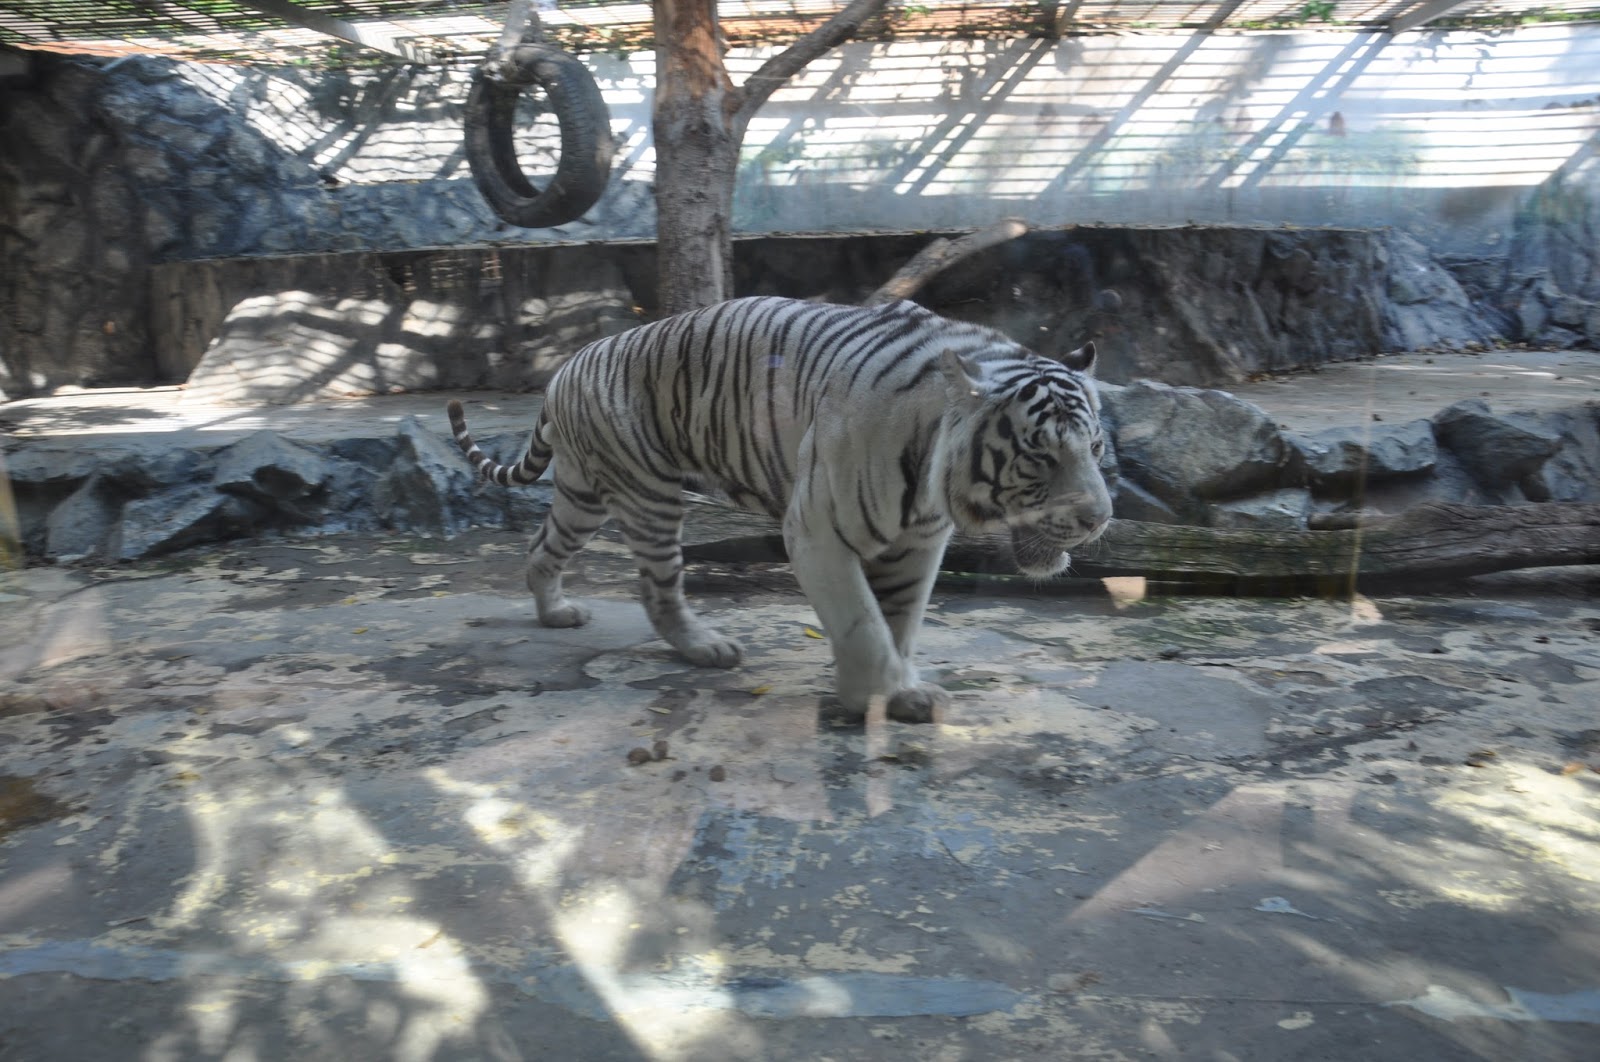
{"points": [[343, 799]]}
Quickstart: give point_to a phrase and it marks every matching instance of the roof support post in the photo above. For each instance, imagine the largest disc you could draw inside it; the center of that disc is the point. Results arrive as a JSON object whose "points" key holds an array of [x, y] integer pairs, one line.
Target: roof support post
{"points": [[1415, 15]]}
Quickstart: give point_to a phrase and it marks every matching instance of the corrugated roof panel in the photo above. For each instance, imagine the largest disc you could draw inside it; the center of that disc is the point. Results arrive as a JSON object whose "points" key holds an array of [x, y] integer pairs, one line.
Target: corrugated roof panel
{"points": [[227, 30]]}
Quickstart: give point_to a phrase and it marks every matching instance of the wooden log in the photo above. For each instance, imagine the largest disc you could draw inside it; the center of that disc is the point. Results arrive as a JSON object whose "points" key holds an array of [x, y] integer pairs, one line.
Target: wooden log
{"points": [[1440, 540], [1435, 540]]}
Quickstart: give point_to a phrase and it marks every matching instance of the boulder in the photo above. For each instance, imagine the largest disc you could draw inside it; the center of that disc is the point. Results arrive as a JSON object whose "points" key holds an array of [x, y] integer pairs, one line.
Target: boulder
{"points": [[279, 475], [1499, 450], [52, 464], [1278, 510], [430, 488], [372, 453], [82, 525], [1184, 445], [1339, 458], [181, 516], [1573, 473], [1448, 482], [1129, 501], [153, 467]]}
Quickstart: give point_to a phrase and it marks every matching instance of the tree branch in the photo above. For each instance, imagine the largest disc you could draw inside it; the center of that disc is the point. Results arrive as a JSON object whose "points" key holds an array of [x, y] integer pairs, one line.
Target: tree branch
{"points": [[941, 255], [760, 86]]}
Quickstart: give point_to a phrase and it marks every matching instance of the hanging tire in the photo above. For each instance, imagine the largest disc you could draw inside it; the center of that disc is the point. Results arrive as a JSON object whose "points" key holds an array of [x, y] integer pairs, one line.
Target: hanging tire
{"points": [[586, 145]]}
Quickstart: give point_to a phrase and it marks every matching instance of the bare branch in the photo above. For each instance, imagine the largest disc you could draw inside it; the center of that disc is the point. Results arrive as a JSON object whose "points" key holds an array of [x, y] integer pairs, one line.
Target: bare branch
{"points": [[760, 86], [940, 255]]}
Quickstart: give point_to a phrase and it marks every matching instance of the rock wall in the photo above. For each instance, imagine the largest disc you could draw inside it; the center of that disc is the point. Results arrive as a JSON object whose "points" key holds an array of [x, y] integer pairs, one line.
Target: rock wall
{"points": [[1208, 305], [73, 245], [1200, 305], [109, 168], [1550, 292]]}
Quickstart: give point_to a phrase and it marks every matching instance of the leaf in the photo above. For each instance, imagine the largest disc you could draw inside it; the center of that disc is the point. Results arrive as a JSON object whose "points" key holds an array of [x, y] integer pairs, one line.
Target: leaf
{"points": [[359, 630], [759, 690], [812, 632]]}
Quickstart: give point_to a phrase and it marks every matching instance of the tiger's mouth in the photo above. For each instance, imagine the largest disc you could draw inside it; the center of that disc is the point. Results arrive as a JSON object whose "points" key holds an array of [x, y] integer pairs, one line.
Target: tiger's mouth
{"points": [[1042, 552]]}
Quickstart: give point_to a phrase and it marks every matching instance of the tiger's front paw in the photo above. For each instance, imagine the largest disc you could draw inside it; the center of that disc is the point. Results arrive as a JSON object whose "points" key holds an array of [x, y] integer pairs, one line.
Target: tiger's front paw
{"points": [[922, 703], [565, 614], [712, 652]]}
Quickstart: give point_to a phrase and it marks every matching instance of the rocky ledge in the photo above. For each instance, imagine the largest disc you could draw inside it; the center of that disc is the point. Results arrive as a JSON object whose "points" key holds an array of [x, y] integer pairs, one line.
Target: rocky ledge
{"points": [[1191, 456], [1178, 455]]}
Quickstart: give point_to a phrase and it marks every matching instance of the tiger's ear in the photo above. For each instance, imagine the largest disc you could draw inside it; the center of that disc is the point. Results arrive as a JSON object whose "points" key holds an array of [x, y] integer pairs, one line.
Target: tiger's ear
{"points": [[965, 380], [1080, 360]]}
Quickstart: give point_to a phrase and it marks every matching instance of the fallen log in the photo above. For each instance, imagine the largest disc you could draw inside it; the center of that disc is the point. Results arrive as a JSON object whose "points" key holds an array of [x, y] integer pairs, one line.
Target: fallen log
{"points": [[1427, 541]]}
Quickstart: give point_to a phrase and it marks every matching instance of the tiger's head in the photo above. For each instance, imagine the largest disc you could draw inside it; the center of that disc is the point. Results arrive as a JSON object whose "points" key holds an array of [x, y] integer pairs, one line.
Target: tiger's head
{"points": [[1023, 445]]}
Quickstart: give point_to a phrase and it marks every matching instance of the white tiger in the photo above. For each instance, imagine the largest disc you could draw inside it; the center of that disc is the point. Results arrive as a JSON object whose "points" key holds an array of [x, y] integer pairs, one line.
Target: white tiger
{"points": [[870, 433]]}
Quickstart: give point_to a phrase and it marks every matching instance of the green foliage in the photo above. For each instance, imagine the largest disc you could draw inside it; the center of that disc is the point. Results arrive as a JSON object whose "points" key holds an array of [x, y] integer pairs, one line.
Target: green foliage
{"points": [[1512, 19], [777, 154]]}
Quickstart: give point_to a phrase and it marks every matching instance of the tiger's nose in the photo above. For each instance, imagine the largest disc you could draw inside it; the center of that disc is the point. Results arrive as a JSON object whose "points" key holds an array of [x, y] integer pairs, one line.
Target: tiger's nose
{"points": [[1095, 517]]}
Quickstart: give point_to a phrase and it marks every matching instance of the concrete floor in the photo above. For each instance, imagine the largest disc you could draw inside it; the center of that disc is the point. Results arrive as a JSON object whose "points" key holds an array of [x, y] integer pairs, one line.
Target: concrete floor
{"points": [[343, 799]]}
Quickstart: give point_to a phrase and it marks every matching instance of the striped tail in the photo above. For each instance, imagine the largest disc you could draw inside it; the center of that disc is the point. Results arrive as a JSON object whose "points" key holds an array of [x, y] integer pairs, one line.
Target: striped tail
{"points": [[534, 461]]}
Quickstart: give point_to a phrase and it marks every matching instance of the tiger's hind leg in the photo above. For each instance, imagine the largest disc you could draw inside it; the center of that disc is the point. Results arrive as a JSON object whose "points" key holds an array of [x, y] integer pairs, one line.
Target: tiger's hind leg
{"points": [[901, 580], [657, 546], [575, 515]]}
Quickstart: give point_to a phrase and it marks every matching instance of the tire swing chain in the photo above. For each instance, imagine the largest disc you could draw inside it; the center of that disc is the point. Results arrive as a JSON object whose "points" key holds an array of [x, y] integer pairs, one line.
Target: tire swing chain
{"points": [[522, 27], [521, 58]]}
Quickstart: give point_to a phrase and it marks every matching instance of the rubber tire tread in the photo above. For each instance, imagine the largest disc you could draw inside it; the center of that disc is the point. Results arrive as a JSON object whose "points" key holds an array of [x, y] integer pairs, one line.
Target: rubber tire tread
{"points": [[586, 145]]}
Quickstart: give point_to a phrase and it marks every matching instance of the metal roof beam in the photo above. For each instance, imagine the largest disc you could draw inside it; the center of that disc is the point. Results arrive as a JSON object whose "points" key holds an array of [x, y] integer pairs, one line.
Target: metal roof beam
{"points": [[1423, 13], [367, 36], [1222, 14]]}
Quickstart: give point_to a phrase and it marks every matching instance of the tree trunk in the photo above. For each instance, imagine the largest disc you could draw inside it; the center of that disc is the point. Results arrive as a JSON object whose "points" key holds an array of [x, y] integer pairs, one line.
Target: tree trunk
{"points": [[697, 157], [700, 119]]}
